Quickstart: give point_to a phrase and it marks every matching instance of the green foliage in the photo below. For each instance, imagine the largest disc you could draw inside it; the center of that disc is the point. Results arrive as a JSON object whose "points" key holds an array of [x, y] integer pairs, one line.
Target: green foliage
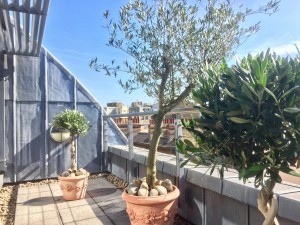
{"points": [[168, 41], [250, 118], [72, 120]]}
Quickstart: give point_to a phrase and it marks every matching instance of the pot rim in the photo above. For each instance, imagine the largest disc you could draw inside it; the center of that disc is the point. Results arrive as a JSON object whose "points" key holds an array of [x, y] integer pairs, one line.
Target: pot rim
{"points": [[141, 200], [73, 178]]}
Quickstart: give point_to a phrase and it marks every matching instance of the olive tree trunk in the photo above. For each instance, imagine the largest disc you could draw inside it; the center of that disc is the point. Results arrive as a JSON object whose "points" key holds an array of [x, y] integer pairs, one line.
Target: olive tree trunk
{"points": [[268, 204], [151, 163], [73, 153]]}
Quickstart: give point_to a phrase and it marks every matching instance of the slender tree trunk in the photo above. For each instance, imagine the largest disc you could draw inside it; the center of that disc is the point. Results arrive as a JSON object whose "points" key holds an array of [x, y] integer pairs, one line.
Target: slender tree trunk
{"points": [[268, 204], [151, 163], [73, 156]]}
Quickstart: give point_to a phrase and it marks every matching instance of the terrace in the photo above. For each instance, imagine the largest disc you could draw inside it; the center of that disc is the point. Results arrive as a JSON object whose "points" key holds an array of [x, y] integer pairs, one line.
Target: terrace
{"points": [[35, 86]]}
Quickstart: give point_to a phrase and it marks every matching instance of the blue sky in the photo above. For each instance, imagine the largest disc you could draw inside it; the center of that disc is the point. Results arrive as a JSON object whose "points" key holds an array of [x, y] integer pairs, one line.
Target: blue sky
{"points": [[74, 35]]}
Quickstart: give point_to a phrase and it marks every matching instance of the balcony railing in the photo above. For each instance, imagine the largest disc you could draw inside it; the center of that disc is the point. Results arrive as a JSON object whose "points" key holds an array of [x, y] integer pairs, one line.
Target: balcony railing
{"points": [[132, 117]]}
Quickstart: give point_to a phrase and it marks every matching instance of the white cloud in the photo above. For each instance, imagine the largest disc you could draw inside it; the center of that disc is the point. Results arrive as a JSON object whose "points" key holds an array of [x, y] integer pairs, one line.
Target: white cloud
{"points": [[287, 49], [283, 49]]}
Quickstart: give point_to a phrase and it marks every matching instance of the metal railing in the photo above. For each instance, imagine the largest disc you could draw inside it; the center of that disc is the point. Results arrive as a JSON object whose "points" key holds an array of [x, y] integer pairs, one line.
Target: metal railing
{"points": [[151, 113], [178, 134]]}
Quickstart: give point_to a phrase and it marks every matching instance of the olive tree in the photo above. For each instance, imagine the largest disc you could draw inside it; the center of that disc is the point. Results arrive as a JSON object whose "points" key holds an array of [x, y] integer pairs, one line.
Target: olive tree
{"points": [[250, 121], [77, 124], [167, 42]]}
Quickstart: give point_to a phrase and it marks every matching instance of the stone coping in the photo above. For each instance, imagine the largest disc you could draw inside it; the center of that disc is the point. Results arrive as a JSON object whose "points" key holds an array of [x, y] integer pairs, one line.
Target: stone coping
{"points": [[288, 194]]}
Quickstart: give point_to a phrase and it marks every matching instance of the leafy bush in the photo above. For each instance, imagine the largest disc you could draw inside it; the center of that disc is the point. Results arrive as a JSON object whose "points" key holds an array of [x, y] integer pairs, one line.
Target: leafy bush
{"points": [[250, 118], [73, 121]]}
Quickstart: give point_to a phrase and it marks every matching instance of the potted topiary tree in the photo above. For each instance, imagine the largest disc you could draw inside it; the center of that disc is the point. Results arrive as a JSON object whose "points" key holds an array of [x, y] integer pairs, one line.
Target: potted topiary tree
{"points": [[250, 120], [73, 182]]}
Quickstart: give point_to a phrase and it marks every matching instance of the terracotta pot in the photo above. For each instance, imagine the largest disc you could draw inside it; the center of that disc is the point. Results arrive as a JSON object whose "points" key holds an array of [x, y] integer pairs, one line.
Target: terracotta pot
{"points": [[154, 210], [73, 188]]}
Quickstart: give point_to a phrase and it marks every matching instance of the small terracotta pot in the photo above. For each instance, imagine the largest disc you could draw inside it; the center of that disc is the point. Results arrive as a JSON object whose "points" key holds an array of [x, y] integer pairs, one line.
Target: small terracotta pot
{"points": [[154, 210], [73, 188]]}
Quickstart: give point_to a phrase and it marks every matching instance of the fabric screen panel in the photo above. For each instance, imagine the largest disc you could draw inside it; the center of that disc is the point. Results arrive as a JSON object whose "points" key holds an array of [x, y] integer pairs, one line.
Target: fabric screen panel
{"points": [[8, 144], [115, 134], [29, 79], [60, 84], [30, 141], [82, 97], [89, 146], [43, 88]]}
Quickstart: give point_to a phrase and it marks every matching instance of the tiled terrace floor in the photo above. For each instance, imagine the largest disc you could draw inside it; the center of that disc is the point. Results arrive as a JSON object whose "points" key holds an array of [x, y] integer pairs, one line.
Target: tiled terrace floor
{"points": [[44, 205]]}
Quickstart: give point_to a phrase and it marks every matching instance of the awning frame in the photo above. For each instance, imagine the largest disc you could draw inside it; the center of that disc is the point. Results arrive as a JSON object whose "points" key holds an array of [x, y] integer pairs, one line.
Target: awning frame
{"points": [[22, 24]]}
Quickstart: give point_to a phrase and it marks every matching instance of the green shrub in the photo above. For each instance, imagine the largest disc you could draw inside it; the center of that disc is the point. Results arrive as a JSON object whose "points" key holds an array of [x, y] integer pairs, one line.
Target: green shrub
{"points": [[250, 118]]}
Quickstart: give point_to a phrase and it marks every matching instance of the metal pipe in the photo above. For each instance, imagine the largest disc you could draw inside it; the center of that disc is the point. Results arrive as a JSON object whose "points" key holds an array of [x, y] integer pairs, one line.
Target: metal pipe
{"points": [[173, 111]]}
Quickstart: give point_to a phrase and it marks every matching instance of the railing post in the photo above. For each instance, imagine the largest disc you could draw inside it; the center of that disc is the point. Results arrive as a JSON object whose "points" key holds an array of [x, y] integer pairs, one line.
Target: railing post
{"points": [[180, 180], [130, 167], [2, 115], [105, 145]]}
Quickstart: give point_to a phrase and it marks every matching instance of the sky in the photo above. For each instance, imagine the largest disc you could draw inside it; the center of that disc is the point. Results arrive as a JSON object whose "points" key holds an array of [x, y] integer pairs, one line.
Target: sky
{"points": [[74, 35]]}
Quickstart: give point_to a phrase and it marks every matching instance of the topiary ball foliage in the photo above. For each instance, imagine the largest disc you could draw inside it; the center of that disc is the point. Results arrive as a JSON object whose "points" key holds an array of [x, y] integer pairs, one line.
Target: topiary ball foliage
{"points": [[250, 118], [73, 121]]}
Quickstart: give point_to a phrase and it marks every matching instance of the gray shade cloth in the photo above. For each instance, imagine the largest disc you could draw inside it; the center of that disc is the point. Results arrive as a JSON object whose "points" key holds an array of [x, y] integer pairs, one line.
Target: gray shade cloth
{"points": [[36, 89]]}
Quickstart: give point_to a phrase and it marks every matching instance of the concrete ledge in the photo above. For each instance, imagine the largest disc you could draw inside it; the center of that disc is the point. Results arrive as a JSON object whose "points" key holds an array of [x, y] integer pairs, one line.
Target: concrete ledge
{"points": [[231, 187], [236, 189], [289, 206], [165, 163], [200, 176], [140, 156]]}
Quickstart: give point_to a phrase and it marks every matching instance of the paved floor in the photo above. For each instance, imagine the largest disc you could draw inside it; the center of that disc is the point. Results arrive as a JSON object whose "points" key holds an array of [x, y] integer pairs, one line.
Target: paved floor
{"points": [[44, 205]]}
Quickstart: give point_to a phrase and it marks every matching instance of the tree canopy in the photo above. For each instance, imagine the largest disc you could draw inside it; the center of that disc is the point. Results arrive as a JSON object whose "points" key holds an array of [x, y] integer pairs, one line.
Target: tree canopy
{"points": [[168, 42], [250, 120]]}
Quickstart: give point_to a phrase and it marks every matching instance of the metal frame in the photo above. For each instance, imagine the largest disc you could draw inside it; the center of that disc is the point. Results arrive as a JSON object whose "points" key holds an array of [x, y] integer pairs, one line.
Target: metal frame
{"points": [[22, 24]]}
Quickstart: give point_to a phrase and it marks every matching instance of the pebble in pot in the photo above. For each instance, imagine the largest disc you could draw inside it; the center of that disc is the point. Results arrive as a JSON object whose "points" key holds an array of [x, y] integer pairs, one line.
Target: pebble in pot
{"points": [[66, 173], [144, 185], [81, 171], [137, 181], [132, 189], [72, 175], [167, 184], [143, 192], [161, 190], [158, 183], [153, 192]]}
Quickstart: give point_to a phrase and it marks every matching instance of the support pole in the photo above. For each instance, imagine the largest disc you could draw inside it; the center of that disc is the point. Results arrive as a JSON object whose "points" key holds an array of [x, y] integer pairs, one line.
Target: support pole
{"points": [[105, 146], [47, 156], [2, 113], [180, 179], [130, 167]]}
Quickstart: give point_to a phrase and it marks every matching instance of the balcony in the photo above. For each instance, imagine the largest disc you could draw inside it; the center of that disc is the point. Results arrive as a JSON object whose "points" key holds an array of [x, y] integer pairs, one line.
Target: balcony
{"points": [[34, 89], [31, 154]]}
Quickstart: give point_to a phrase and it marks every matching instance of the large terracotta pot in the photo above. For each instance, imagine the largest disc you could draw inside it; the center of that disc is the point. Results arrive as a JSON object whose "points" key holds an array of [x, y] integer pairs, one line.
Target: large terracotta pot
{"points": [[154, 210], [73, 188]]}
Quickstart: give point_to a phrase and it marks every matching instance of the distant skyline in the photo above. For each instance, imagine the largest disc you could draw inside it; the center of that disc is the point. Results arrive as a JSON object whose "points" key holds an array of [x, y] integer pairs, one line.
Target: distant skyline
{"points": [[74, 35]]}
